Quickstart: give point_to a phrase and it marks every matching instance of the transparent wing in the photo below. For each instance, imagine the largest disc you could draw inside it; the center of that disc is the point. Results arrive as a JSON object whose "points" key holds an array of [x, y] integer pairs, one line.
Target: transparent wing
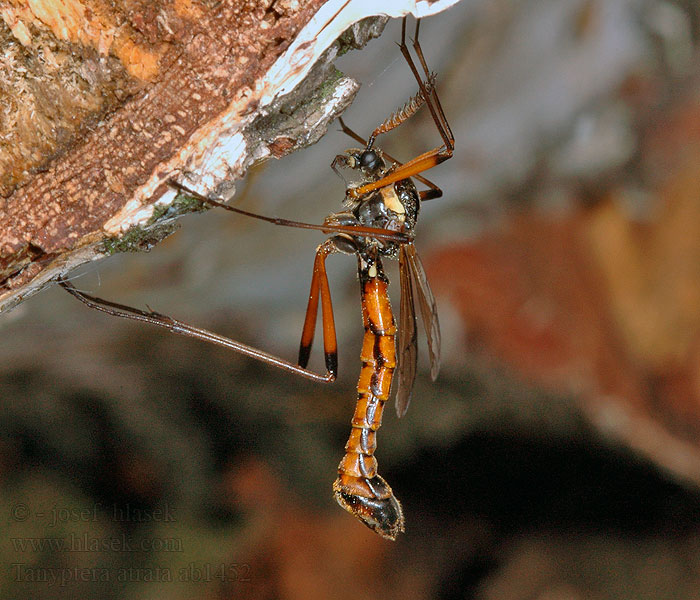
{"points": [[408, 347], [428, 308]]}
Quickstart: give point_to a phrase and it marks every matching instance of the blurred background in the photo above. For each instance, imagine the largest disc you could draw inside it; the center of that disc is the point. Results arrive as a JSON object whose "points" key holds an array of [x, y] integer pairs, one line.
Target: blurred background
{"points": [[558, 454]]}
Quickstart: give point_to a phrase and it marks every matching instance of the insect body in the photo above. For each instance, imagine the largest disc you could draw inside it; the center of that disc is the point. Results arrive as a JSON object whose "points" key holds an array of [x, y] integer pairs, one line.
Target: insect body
{"points": [[386, 198], [381, 209], [359, 488]]}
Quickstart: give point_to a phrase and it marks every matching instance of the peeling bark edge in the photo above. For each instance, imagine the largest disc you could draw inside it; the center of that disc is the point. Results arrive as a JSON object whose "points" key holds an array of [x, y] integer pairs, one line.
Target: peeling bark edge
{"points": [[222, 150]]}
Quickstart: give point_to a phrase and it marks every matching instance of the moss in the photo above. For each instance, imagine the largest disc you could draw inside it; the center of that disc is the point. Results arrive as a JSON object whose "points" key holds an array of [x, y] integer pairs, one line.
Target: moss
{"points": [[183, 204], [161, 224], [328, 86], [138, 239]]}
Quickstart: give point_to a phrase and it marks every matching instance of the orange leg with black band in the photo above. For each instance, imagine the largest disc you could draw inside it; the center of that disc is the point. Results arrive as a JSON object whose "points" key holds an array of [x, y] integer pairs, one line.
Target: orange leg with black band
{"points": [[320, 287], [431, 194]]}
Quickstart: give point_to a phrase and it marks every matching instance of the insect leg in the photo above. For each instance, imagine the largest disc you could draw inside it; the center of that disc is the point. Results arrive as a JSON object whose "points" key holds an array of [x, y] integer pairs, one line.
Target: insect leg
{"points": [[175, 326], [412, 168], [440, 121], [376, 232], [433, 192], [320, 288]]}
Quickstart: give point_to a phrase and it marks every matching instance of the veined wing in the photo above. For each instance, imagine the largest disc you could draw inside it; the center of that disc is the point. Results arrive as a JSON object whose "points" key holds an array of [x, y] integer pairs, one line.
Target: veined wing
{"points": [[408, 346], [428, 307]]}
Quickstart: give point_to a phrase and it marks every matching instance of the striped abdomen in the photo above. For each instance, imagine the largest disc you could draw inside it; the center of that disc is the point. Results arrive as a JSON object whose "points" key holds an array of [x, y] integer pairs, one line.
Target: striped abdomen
{"points": [[359, 488]]}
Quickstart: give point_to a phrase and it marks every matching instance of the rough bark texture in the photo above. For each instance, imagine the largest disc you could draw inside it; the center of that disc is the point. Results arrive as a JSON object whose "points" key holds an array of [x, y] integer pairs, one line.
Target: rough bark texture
{"points": [[172, 90]]}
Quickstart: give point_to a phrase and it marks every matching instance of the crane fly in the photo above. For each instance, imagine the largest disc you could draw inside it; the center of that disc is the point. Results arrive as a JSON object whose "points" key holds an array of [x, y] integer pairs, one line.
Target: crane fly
{"points": [[381, 209]]}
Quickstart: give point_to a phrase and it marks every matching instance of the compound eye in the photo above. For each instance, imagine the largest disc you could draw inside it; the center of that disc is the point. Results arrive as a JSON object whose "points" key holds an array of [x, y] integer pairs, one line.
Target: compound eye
{"points": [[369, 159]]}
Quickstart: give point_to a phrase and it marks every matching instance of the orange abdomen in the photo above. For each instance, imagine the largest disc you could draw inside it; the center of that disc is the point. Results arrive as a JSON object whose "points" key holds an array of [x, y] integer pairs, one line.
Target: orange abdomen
{"points": [[359, 488]]}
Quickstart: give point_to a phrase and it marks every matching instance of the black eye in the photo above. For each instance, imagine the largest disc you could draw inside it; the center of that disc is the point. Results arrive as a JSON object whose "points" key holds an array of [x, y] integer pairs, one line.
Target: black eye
{"points": [[369, 159]]}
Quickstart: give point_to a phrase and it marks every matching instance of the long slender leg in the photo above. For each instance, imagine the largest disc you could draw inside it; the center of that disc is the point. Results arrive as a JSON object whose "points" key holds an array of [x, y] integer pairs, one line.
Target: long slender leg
{"points": [[320, 287], [375, 232], [445, 131], [434, 95], [413, 167], [429, 159], [433, 192], [175, 326]]}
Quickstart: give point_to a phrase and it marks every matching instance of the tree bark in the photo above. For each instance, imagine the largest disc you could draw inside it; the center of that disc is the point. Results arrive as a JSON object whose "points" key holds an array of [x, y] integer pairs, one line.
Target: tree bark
{"points": [[162, 91]]}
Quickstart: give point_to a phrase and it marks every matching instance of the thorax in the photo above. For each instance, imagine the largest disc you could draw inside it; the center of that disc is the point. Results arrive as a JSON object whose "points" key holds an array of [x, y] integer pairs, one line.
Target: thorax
{"points": [[393, 207]]}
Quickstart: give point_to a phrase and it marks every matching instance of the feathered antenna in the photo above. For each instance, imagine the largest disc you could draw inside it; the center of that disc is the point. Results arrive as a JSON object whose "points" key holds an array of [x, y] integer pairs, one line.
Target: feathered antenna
{"points": [[405, 112]]}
